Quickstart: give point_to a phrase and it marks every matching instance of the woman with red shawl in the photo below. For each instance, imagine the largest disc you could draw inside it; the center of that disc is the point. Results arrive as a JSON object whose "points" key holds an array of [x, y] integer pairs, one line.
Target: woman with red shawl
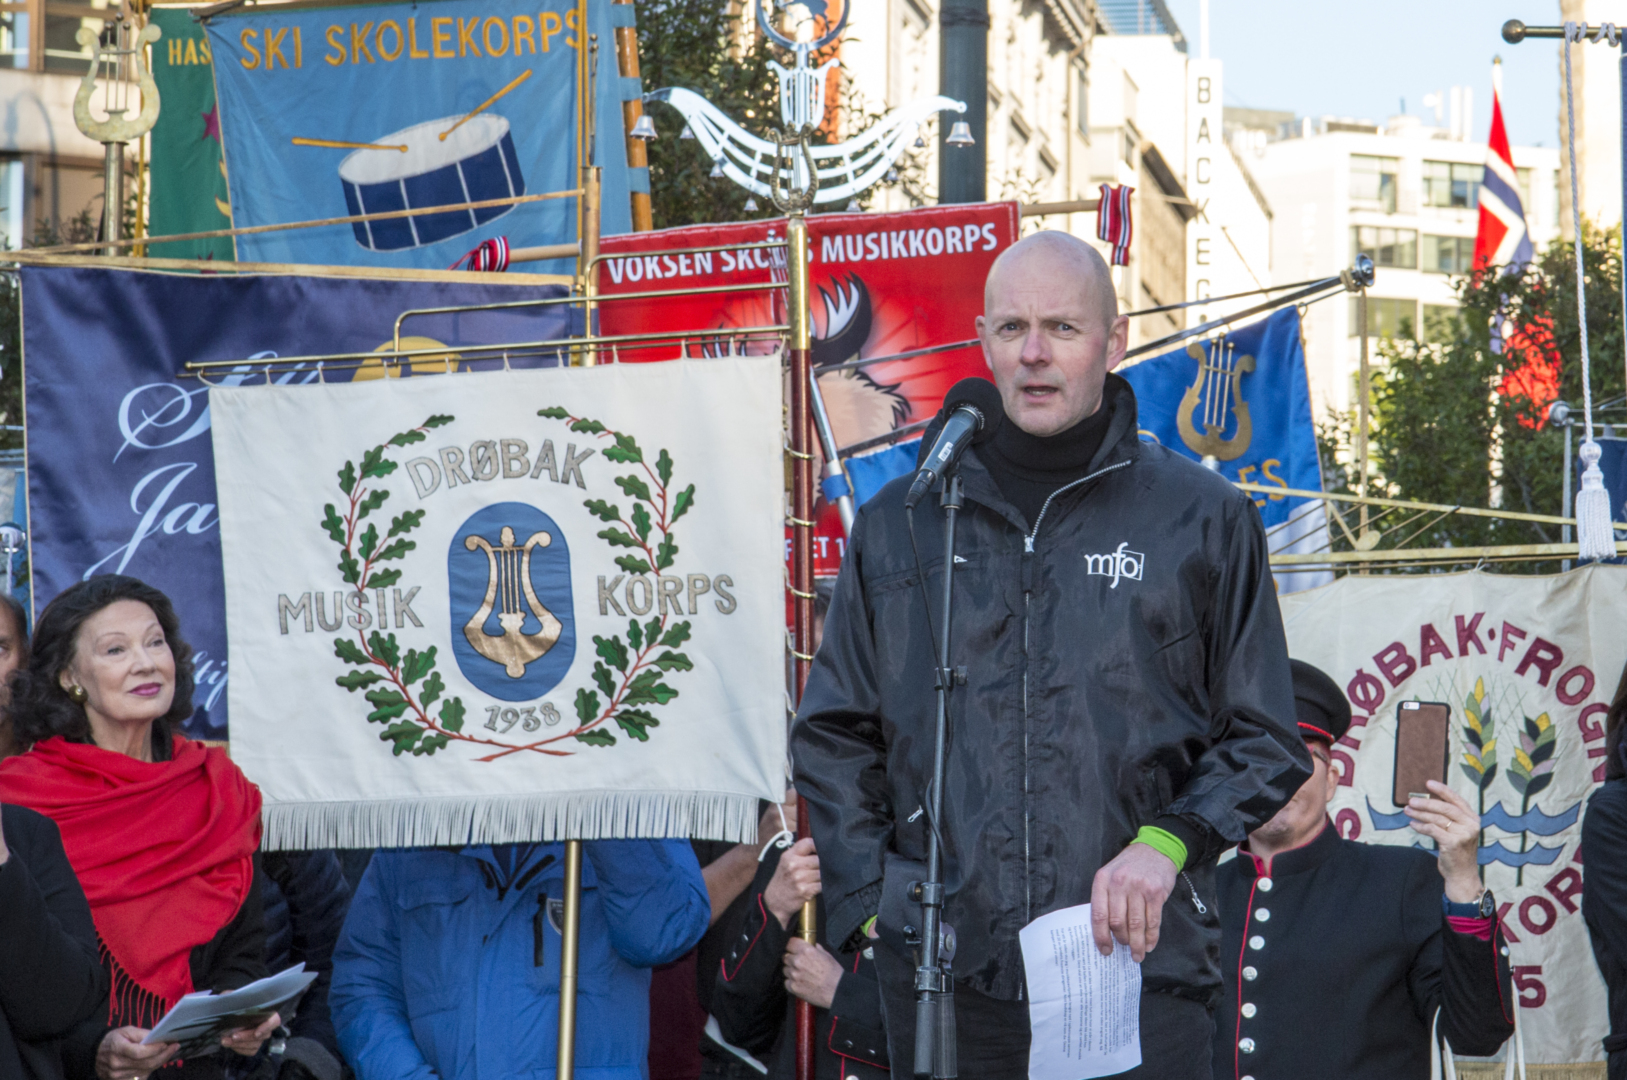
{"points": [[160, 830]]}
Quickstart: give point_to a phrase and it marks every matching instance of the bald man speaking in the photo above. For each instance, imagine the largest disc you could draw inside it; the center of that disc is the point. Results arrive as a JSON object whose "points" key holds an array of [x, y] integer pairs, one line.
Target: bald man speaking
{"points": [[1128, 711]]}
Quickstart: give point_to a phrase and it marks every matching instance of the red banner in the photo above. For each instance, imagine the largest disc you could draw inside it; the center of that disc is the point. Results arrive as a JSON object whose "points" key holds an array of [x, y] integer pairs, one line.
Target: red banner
{"points": [[882, 284]]}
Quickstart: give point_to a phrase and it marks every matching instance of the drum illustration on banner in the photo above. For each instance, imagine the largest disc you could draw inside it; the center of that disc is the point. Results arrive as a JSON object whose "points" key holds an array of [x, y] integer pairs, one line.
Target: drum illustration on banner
{"points": [[440, 163]]}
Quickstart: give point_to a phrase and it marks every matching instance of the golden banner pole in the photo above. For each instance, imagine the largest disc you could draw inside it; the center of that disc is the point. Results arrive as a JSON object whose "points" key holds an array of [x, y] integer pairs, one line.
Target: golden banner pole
{"points": [[570, 933], [802, 583], [637, 152]]}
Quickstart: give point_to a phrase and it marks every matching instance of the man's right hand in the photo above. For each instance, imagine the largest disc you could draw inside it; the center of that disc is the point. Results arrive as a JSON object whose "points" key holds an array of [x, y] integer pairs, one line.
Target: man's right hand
{"points": [[795, 881], [122, 1057]]}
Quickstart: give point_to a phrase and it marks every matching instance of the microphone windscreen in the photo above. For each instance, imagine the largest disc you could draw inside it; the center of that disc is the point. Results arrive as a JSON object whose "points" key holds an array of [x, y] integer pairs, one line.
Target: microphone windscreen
{"points": [[983, 396]]}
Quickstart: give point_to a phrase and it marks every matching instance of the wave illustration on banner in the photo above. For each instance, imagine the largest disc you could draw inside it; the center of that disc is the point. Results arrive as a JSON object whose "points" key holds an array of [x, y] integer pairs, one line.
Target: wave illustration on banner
{"points": [[519, 611]]}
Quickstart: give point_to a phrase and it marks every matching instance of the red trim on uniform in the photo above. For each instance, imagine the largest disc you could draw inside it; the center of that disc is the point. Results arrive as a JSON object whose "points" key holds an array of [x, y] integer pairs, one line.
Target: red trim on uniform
{"points": [[723, 964], [1497, 935], [1474, 926], [1242, 951], [1318, 731]]}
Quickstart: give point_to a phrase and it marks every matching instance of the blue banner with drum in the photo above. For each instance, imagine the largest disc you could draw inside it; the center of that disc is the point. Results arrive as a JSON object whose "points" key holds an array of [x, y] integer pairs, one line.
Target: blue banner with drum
{"points": [[352, 111], [1243, 401], [121, 476]]}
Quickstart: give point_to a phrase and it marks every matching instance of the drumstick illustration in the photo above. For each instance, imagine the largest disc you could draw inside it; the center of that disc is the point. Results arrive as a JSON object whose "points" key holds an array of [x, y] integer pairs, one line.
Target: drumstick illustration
{"points": [[484, 105], [339, 145]]}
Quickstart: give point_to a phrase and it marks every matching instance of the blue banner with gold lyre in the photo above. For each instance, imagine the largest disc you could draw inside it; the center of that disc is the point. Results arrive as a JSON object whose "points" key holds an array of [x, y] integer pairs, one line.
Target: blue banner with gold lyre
{"points": [[343, 111], [1243, 400]]}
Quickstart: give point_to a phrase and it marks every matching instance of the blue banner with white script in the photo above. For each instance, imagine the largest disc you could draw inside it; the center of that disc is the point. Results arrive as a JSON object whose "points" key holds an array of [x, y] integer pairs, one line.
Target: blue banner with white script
{"points": [[121, 477], [365, 109]]}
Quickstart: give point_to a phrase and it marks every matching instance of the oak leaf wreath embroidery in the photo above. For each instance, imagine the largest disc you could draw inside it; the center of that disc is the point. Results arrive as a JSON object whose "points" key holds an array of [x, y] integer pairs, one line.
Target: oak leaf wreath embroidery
{"points": [[630, 672]]}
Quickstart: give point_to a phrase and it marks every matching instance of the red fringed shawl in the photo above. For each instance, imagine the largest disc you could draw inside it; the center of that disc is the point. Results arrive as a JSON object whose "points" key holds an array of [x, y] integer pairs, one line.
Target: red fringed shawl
{"points": [[163, 851]]}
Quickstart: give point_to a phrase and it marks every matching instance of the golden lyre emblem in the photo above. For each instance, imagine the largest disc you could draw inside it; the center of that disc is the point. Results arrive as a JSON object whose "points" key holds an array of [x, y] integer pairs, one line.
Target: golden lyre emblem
{"points": [[1219, 389], [510, 585]]}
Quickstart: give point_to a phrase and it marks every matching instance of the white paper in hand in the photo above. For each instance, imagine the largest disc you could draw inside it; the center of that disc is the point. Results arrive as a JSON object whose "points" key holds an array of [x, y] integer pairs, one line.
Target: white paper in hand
{"points": [[1084, 1008]]}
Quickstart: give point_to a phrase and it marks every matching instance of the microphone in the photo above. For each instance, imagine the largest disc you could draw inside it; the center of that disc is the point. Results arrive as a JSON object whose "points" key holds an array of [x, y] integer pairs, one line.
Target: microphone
{"points": [[972, 414]]}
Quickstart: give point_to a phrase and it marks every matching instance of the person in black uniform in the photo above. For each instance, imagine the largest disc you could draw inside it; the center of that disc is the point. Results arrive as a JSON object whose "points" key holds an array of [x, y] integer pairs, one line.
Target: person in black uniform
{"points": [[768, 966], [1339, 955], [1604, 886]]}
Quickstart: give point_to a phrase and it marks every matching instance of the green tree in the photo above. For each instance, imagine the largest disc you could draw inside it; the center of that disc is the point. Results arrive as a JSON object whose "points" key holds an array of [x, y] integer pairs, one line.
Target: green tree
{"points": [[1455, 422]]}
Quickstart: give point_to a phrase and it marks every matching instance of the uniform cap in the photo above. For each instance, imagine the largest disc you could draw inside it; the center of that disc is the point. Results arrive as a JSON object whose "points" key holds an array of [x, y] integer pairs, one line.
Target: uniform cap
{"points": [[1319, 704]]}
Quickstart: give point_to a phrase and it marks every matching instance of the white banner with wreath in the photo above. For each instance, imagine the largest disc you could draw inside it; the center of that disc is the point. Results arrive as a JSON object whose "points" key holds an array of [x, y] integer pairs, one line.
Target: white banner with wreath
{"points": [[507, 606], [1528, 666]]}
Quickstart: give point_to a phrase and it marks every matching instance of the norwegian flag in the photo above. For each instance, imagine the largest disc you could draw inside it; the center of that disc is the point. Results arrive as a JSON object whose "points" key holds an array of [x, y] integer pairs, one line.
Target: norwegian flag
{"points": [[1113, 222], [1502, 239]]}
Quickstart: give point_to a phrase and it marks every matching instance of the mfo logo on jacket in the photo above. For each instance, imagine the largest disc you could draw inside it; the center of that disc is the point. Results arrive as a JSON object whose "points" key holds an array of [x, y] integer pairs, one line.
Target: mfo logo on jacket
{"points": [[1116, 564]]}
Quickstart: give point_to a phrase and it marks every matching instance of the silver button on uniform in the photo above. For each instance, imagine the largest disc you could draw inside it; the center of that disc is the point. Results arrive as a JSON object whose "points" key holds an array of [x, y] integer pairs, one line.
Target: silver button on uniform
{"points": [[1265, 884], [1249, 974], [1246, 1045], [1249, 1010], [1263, 914], [1256, 942]]}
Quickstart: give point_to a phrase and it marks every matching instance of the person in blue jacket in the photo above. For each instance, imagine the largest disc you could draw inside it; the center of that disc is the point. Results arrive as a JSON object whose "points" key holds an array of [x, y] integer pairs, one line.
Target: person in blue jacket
{"points": [[448, 964]]}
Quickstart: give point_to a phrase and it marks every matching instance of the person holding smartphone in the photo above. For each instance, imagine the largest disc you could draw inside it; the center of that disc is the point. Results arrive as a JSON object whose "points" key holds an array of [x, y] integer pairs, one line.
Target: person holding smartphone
{"points": [[1341, 957]]}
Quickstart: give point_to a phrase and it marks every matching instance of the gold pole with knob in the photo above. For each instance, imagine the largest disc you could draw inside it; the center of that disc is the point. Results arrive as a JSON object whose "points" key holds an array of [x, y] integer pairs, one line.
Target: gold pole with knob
{"points": [[570, 932]]}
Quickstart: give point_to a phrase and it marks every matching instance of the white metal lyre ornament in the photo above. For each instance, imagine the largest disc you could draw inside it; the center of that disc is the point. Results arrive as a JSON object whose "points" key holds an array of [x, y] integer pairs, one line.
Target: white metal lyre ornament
{"points": [[122, 63], [762, 166]]}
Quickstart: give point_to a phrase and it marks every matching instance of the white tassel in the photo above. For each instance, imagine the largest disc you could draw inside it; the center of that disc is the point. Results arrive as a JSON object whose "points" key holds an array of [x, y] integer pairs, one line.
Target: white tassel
{"points": [[1595, 538]]}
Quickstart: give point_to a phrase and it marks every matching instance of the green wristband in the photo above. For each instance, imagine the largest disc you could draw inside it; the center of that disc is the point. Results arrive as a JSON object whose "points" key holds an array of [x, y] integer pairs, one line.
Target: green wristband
{"points": [[868, 923], [1164, 842]]}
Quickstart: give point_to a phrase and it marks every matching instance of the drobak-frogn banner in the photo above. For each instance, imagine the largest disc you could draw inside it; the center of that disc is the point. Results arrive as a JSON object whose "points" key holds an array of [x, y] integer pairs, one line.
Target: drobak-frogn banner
{"points": [[1528, 666]]}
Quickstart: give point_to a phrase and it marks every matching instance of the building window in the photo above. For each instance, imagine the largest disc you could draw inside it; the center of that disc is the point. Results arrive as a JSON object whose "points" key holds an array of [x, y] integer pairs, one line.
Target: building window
{"points": [[1132, 140], [1385, 318], [1396, 248], [1522, 178], [1448, 254], [1440, 323], [1453, 184], [1372, 181], [1082, 120]]}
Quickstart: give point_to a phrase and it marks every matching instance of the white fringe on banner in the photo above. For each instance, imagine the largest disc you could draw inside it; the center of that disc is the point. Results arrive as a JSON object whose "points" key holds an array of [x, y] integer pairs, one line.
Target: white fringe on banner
{"points": [[445, 821]]}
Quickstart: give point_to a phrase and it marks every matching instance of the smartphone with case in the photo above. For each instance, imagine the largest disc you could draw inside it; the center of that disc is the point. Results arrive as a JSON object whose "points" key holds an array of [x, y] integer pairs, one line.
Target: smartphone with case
{"points": [[1422, 738]]}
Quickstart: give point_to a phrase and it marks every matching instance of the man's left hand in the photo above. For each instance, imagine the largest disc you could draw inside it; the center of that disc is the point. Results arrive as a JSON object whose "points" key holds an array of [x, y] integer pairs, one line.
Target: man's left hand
{"points": [[811, 973], [1451, 822], [1127, 900]]}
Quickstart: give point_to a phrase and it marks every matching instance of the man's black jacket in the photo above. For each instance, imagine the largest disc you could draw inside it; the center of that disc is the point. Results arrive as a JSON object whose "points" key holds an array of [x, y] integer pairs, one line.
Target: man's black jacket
{"points": [[1341, 956], [755, 1012], [1125, 660], [50, 976]]}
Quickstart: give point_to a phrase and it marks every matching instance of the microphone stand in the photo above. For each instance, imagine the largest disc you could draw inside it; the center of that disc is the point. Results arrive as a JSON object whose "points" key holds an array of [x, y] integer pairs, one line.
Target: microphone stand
{"points": [[934, 990]]}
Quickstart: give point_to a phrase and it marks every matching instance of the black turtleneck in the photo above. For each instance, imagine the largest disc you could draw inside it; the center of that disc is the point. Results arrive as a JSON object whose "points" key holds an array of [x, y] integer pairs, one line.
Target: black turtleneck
{"points": [[1029, 468]]}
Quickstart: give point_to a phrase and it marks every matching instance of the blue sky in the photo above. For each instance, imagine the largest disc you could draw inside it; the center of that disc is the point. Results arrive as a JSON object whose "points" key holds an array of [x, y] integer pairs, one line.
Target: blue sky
{"points": [[1317, 57]]}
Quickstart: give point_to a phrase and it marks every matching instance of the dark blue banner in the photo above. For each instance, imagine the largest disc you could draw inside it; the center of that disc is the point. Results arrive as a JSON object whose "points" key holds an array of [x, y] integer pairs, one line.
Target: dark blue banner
{"points": [[120, 473]]}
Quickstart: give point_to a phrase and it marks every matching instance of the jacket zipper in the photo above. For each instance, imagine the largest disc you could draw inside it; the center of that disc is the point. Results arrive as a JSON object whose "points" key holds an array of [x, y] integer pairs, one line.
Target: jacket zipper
{"points": [[1028, 590]]}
